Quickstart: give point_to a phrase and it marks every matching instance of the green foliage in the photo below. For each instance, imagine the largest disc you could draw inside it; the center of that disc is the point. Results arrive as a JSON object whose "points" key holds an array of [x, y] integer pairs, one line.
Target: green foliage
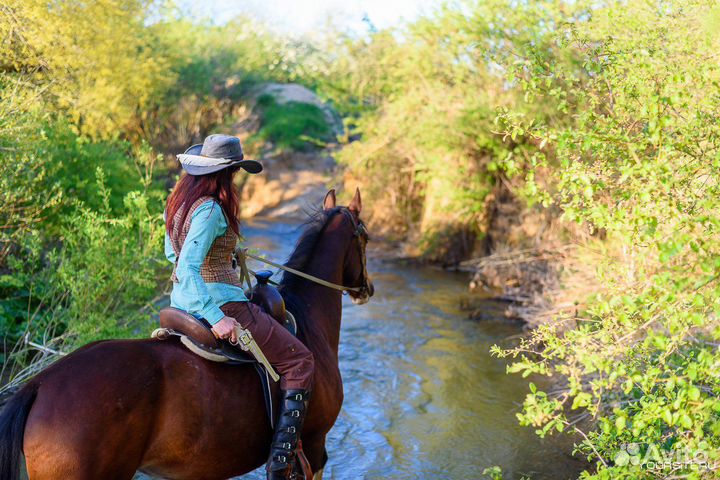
{"points": [[425, 115], [423, 101], [636, 155], [96, 285], [233, 56], [493, 473], [71, 233], [608, 112], [74, 160], [109, 268], [94, 61], [25, 175], [67, 269], [212, 68], [291, 125]]}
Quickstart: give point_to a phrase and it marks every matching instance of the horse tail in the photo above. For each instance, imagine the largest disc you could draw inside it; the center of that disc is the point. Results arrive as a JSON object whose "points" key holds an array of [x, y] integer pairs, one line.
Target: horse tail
{"points": [[12, 430]]}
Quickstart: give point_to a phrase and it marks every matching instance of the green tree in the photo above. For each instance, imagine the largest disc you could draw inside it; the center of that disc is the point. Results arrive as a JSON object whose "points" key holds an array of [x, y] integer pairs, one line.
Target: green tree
{"points": [[639, 161], [93, 60]]}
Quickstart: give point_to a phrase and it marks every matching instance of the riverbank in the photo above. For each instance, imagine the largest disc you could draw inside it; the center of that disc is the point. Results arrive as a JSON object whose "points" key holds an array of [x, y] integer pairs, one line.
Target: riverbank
{"points": [[534, 266]]}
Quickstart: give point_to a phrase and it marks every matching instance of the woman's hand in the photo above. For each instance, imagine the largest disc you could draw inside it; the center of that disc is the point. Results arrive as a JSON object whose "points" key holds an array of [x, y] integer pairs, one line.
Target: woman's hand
{"points": [[225, 329]]}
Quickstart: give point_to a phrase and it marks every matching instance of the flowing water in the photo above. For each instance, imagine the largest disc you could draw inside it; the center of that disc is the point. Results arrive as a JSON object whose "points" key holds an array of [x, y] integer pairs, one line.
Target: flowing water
{"points": [[423, 397]]}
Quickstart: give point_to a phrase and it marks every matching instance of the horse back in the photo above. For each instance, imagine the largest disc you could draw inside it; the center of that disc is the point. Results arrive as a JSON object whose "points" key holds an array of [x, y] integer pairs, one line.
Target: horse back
{"points": [[143, 404], [93, 404]]}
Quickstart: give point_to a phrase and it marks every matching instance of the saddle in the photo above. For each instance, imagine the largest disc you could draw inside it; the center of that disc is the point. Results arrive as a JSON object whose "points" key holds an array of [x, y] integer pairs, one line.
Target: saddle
{"points": [[196, 333]]}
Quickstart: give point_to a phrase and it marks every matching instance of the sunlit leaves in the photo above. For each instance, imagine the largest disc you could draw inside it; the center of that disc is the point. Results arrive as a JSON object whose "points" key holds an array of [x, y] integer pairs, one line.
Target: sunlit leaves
{"points": [[93, 60], [637, 161]]}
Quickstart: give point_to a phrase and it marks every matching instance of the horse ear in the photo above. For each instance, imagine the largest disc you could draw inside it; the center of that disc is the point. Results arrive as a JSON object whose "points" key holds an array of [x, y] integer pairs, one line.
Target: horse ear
{"points": [[356, 203], [329, 201]]}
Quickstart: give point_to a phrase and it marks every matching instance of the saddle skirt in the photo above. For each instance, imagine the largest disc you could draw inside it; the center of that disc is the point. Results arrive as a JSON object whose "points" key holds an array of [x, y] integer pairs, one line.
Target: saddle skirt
{"points": [[197, 336]]}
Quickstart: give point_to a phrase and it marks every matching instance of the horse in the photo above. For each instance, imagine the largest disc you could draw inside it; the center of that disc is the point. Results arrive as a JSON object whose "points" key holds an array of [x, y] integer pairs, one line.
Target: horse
{"points": [[114, 407]]}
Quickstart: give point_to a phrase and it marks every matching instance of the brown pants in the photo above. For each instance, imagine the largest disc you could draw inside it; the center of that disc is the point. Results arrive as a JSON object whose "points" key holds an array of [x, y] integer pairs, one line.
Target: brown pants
{"points": [[290, 357]]}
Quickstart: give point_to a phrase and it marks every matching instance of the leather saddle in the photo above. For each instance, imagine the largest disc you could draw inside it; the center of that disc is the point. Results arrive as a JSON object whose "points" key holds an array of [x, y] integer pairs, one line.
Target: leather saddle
{"points": [[198, 330], [182, 322], [196, 334]]}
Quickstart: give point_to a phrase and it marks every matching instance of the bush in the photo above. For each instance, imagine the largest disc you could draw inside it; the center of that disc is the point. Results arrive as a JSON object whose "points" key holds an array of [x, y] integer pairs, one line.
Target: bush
{"points": [[424, 146], [292, 125], [109, 268], [81, 249], [610, 113], [95, 62], [637, 156]]}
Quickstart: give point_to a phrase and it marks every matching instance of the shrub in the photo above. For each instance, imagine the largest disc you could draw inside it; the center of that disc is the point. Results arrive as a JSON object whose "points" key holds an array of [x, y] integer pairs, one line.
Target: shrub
{"points": [[93, 61], [81, 249], [108, 268], [637, 157], [291, 125]]}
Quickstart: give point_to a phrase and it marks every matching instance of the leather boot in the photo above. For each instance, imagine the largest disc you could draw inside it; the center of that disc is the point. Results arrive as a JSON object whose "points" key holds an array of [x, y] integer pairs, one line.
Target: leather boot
{"points": [[287, 433]]}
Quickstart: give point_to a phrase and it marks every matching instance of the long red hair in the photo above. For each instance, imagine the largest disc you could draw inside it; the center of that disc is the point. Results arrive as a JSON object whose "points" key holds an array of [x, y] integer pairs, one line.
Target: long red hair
{"points": [[189, 188]]}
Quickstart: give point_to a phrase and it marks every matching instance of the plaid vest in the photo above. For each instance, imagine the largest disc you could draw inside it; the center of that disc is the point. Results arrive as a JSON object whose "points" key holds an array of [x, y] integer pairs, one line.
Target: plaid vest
{"points": [[218, 264]]}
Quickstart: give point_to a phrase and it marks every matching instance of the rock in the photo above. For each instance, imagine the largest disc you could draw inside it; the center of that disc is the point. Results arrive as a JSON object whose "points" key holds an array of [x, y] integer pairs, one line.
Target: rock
{"points": [[293, 92], [291, 182]]}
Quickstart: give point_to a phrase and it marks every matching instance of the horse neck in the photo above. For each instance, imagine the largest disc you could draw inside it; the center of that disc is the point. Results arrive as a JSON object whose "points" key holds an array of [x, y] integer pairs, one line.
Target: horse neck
{"points": [[324, 305]]}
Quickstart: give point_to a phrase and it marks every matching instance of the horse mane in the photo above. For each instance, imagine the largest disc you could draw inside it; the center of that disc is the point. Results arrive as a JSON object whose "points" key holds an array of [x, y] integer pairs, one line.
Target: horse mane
{"points": [[308, 333], [305, 246], [314, 227]]}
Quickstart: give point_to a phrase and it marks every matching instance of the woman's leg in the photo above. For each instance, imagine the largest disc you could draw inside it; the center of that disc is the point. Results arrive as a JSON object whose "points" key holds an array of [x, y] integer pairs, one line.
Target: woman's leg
{"points": [[295, 365], [288, 355]]}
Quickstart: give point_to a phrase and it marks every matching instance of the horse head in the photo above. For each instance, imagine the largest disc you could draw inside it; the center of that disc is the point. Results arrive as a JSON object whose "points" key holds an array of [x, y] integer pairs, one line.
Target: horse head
{"points": [[355, 273]]}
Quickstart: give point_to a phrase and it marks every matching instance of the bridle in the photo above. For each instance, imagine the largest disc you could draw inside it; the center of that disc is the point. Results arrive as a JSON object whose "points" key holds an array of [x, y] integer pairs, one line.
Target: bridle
{"points": [[359, 231]]}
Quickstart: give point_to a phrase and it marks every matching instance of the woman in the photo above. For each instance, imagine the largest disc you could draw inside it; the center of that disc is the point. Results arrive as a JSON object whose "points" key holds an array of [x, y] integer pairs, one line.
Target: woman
{"points": [[201, 235]]}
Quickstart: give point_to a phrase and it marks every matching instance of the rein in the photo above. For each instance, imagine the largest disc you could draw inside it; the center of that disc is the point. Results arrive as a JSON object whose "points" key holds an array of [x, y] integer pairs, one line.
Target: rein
{"points": [[304, 275], [360, 231]]}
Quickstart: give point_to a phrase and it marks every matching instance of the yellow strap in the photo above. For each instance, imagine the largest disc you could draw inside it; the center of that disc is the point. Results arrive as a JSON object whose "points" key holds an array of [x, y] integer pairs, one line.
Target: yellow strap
{"points": [[244, 275], [300, 274]]}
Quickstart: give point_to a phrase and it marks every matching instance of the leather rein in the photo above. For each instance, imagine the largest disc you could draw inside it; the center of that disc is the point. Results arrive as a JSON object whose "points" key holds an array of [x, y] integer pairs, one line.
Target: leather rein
{"points": [[359, 231]]}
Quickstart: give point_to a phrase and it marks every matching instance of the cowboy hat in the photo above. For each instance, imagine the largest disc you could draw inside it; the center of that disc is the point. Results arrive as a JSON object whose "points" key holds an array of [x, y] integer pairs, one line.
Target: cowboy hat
{"points": [[218, 151]]}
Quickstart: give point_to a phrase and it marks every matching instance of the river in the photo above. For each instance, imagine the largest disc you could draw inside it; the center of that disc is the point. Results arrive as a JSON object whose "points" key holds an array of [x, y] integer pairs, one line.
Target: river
{"points": [[423, 396]]}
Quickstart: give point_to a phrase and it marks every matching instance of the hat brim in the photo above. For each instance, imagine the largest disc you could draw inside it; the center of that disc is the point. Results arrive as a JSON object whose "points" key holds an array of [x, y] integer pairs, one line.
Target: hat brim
{"points": [[250, 166]]}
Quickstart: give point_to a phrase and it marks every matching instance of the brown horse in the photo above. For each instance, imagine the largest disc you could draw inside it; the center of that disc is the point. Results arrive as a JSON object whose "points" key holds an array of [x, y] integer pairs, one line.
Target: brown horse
{"points": [[118, 406]]}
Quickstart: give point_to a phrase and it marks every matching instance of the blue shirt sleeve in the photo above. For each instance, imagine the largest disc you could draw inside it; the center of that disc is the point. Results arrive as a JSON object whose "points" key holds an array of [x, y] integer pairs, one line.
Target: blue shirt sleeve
{"points": [[207, 223], [169, 250]]}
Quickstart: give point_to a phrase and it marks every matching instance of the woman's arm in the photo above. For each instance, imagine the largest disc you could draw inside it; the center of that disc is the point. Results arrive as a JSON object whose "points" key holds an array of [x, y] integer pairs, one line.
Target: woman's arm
{"points": [[169, 250], [207, 223]]}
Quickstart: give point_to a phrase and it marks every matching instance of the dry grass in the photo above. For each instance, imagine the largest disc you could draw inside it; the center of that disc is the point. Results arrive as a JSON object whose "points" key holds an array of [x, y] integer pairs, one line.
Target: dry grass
{"points": [[542, 267]]}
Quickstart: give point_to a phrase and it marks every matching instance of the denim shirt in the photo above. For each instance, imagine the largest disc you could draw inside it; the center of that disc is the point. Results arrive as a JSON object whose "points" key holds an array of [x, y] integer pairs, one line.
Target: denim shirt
{"points": [[192, 294]]}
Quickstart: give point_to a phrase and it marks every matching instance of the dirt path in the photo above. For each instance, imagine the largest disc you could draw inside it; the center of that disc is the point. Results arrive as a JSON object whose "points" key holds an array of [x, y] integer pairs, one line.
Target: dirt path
{"points": [[290, 185], [291, 182]]}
